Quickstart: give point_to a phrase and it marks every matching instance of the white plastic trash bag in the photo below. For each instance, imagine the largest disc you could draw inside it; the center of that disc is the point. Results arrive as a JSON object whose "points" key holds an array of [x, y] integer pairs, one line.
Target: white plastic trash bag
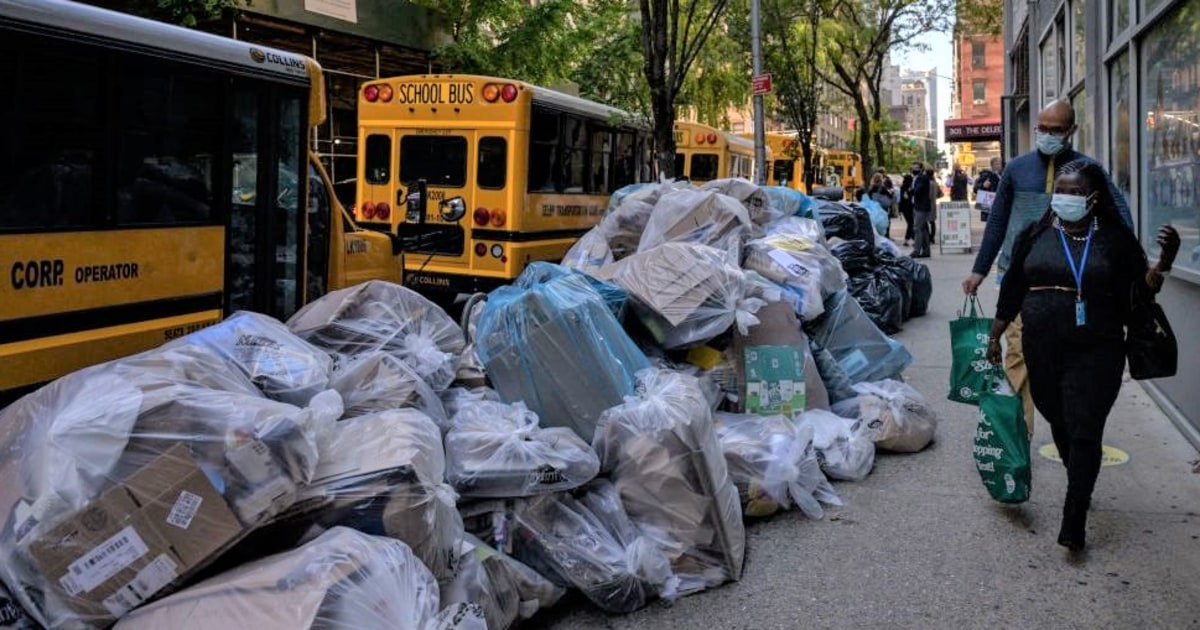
{"points": [[504, 588], [774, 464], [808, 272], [844, 449], [379, 381], [693, 216], [496, 450], [590, 253], [381, 316], [754, 198], [896, 415]]}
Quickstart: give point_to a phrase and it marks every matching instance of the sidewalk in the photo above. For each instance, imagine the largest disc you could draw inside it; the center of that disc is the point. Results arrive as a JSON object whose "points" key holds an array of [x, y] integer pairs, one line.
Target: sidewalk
{"points": [[920, 545]]}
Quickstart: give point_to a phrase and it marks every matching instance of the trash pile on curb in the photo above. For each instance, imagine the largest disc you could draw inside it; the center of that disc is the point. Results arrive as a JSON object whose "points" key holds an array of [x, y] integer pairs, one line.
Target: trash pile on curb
{"points": [[701, 358]]}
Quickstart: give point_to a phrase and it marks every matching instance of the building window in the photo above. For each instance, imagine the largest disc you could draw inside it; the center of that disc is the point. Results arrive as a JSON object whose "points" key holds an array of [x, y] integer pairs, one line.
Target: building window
{"points": [[1083, 136], [978, 56], [1078, 20], [1049, 66], [1170, 95], [979, 91], [1150, 5], [1118, 13], [1118, 128]]}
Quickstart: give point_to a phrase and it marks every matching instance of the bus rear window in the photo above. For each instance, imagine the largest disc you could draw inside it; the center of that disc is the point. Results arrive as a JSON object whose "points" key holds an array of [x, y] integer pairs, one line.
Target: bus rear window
{"points": [[783, 170], [493, 163], [378, 166], [704, 167], [439, 160]]}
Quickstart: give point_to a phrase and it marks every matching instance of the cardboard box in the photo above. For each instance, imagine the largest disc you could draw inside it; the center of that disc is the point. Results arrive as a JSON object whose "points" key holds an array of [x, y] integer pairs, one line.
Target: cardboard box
{"points": [[771, 363], [136, 538]]}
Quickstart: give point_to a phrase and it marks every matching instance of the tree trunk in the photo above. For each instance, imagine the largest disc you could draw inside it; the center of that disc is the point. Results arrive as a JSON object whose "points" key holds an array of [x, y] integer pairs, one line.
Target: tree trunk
{"points": [[864, 135], [664, 132]]}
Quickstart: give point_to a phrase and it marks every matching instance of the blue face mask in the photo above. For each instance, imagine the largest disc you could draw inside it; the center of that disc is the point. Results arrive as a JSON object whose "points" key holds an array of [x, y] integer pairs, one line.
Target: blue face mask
{"points": [[1071, 208], [1048, 143]]}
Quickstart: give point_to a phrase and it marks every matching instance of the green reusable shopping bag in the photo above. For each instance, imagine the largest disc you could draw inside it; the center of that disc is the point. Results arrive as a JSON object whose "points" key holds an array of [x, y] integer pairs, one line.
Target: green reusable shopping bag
{"points": [[1002, 441], [968, 345]]}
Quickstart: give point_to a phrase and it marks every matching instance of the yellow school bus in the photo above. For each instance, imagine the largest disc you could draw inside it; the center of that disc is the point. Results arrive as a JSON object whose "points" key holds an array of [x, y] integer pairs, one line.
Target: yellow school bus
{"points": [[703, 153], [152, 180], [843, 168], [479, 176]]}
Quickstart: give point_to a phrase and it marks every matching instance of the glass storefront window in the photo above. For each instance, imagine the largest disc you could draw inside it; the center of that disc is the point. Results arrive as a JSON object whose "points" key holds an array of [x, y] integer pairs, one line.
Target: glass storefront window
{"points": [[1118, 126], [1170, 94], [1082, 138], [1150, 5], [1049, 76], [1118, 13], [1078, 20]]}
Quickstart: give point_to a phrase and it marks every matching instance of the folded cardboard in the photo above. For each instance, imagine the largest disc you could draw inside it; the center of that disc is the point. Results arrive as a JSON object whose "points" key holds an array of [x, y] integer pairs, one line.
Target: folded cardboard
{"points": [[136, 538]]}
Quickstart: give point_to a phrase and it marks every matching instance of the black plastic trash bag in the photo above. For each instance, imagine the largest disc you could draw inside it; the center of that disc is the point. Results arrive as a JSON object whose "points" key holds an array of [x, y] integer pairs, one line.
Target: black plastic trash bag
{"points": [[880, 298], [847, 221], [900, 276], [922, 285], [857, 257]]}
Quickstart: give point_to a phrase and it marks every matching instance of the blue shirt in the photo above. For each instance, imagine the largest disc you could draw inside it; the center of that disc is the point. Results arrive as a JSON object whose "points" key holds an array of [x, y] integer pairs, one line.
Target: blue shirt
{"points": [[1021, 199]]}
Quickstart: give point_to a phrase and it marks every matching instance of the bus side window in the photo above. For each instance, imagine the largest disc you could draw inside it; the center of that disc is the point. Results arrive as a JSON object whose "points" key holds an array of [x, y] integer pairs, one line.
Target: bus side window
{"points": [[378, 167], [543, 151], [574, 154], [624, 165], [601, 170], [704, 167], [493, 163]]}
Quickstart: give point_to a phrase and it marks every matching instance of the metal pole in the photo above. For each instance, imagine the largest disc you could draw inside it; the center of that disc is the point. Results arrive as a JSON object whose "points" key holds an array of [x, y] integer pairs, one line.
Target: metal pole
{"points": [[760, 152]]}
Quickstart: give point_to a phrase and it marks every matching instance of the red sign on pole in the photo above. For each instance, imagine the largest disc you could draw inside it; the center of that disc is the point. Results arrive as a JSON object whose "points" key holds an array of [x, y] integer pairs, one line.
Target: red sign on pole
{"points": [[761, 84]]}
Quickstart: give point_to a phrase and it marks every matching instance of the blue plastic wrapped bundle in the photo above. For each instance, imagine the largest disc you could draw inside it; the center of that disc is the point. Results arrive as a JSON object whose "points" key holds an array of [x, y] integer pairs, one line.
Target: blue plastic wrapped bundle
{"points": [[879, 215], [789, 201], [860, 348], [558, 348], [540, 272]]}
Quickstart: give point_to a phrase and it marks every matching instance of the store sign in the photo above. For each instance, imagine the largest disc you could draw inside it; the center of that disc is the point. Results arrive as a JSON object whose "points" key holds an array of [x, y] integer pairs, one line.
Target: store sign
{"points": [[973, 132], [341, 9]]}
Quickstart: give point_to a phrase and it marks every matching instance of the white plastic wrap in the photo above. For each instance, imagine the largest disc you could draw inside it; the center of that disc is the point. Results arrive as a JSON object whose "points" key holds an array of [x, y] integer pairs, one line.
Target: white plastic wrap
{"points": [[589, 543], [381, 316], [896, 415], [283, 366], [455, 398], [504, 588], [694, 216], [754, 198], [799, 262], [590, 253], [344, 579], [174, 473], [843, 446], [379, 381], [774, 464], [686, 293], [496, 450], [661, 452]]}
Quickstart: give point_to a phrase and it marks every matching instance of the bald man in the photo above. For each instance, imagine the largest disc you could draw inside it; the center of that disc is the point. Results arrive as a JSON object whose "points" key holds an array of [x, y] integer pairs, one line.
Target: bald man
{"points": [[1022, 197]]}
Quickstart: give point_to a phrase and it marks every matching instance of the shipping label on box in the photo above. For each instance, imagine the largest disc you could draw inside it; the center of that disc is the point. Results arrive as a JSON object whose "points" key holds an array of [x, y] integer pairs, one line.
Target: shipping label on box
{"points": [[774, 380]]}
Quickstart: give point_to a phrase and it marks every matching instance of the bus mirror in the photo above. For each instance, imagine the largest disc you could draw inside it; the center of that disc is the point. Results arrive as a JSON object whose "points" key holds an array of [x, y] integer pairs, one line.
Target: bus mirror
{"points": [[453, 209], [415, 203]]}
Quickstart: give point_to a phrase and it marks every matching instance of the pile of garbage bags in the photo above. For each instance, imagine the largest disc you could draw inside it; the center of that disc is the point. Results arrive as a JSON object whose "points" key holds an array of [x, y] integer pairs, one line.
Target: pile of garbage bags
{"points": [[605, 425]]}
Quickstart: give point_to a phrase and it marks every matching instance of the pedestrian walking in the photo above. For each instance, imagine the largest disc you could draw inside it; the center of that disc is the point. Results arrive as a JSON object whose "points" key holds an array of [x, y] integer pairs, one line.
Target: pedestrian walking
{"points": [[959, 183], [1022, 196], [987, 182], [923, 199], [880, 194], [1073, 278], [906, 206]]}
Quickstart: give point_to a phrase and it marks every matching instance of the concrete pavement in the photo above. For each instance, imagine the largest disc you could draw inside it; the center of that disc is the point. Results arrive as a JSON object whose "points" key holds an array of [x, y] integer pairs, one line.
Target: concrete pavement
{"points": [[919, 544]]}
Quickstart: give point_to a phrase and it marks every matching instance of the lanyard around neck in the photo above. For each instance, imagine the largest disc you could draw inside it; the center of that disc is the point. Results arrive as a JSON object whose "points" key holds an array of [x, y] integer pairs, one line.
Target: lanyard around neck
{"points": [[1077, 271]]}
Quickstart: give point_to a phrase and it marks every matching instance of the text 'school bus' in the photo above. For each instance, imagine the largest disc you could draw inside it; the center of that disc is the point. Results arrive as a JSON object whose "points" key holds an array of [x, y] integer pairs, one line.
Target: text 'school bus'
{"points": [[152, 180], [479, 176], [703, 153]]}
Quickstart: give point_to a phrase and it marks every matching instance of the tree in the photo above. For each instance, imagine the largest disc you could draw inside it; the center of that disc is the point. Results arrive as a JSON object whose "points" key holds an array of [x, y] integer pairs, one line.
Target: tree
{"points": [[979, 17], [790, 51], [182, 12], [673, 34]]}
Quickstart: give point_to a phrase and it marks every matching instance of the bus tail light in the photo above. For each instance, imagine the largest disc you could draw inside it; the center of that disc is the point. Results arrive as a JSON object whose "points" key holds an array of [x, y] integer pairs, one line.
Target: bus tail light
{"points": [[508, 92], [699, 138], [498, 217], [482, 216], [371, 93], [712, 138], [491, 92], [368, 210], [385, 93], [383, 211], [481, 250]]}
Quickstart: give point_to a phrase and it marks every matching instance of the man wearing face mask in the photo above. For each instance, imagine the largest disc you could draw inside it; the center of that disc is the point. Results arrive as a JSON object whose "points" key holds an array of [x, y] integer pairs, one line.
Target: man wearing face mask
{"points": [[922, 202], [1022, 198]]}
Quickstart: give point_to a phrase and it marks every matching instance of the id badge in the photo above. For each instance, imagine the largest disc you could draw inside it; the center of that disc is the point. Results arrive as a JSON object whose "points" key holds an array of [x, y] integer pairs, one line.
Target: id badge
{"points": [[1080, 313]]}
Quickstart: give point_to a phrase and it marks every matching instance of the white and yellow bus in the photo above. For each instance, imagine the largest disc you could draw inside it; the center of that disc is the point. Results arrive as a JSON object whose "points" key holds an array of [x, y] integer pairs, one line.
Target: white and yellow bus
{"points": [[704, 153], [152, 180], [479, 176]]}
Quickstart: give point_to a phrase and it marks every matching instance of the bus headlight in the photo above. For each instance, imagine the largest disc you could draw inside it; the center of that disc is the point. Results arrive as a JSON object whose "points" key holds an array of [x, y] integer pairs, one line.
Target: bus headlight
{"points": [[453, 209]]}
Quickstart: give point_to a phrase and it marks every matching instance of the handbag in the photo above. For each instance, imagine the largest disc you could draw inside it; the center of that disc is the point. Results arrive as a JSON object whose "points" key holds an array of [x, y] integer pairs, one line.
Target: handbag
{"points": [[1150, 345], [969, 369], [1001, 447]]}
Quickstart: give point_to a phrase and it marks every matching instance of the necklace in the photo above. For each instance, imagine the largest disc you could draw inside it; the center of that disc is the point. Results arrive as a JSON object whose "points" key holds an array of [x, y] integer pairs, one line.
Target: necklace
{"points": [[1078, 239]]}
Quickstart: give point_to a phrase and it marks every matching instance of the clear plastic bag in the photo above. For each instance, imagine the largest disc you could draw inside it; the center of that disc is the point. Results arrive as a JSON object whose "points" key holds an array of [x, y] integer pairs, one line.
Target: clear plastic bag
{"points": [[495, 450], [503, 587], [661, 452], [694, 216], [774, 464], [455, 398], [557, 348], [862, 351], [685, 293], [539, 272], [897, 416], [381, 316], [788, 201], [589, 543], [172, 474], [801, 264], [379, 381], [844, 449], [344, 579], [590, 253], [755, 199], [283, 366]]}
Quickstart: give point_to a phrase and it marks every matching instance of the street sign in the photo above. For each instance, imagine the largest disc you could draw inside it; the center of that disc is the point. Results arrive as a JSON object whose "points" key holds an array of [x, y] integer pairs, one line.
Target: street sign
{"points": [[954, 225], [761, 84]]}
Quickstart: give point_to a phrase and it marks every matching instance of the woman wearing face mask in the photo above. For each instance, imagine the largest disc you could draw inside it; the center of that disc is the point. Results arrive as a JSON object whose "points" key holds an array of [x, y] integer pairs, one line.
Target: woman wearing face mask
{"points": [[1071, 279]]}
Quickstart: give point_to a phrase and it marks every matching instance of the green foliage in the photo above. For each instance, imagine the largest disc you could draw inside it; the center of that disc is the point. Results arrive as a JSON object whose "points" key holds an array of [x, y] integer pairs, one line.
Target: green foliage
{"points": [[612, 72], [979, 17], [181, 12]]}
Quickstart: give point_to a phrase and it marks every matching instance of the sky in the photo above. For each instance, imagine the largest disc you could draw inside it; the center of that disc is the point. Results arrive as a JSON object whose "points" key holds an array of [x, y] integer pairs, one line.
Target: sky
{"points": [[940, 55]]}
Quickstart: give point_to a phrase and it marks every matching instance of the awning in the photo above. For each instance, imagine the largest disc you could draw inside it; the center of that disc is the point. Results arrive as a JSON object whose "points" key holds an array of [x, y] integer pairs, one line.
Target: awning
{"points": [[973, 130]]}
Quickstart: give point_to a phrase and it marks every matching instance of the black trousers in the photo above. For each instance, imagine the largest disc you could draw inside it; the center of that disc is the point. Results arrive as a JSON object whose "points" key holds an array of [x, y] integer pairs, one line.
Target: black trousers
{"points": [[907, 212], [1074, 387]]}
